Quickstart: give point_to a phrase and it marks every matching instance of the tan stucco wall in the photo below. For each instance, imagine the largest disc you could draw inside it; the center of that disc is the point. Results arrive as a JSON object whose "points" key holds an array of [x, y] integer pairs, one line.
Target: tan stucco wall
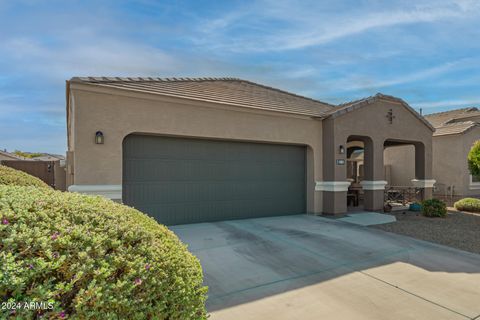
{"points": [[450, 161], [401, 160], [118, 113]]}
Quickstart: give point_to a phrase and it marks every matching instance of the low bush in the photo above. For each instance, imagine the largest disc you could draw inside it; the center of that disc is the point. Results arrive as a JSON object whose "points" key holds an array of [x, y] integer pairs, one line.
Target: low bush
{"points": [[10, 176], [468, 204], [87, 257], [434, 208]]}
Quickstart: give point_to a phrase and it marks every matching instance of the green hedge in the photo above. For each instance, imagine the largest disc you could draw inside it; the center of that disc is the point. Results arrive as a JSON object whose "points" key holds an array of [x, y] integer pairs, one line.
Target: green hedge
{"points": [[10, 176], [93, 259], [468, 204], [434, 208]]}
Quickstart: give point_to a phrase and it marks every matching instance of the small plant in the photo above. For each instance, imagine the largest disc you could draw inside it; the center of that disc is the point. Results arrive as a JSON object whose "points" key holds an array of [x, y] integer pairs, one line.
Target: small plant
{"points": [[434, 208], [468, 204], [10, 176]]}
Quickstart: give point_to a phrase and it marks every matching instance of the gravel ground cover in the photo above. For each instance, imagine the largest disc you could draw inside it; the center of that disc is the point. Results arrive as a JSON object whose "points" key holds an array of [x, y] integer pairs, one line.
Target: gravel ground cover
{"points": [[459, 230]]}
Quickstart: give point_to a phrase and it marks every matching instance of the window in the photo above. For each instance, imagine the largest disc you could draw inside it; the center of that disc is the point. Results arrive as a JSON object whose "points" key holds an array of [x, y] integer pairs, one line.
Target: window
{"points": [[474, 182]]}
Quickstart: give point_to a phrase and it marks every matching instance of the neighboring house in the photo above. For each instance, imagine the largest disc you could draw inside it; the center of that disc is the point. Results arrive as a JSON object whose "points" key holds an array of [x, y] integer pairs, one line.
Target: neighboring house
{"points": [[49, 157], [456, 131], [193, 150], [4, 155]]}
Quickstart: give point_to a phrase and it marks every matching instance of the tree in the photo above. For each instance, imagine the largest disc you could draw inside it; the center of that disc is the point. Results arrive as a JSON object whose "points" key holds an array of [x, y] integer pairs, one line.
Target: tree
{"points": [[474, 159], [29, 155]]}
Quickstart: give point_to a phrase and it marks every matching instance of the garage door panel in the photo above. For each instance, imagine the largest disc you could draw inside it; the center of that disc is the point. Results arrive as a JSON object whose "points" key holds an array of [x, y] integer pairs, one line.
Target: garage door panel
{"points": [[178, 180], [191, 192], [165, 192]]}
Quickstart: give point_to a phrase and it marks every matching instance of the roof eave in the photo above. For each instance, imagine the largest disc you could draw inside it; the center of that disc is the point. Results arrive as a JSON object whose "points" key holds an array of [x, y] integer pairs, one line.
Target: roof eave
{"points": [[366, 101], [95, 86]]}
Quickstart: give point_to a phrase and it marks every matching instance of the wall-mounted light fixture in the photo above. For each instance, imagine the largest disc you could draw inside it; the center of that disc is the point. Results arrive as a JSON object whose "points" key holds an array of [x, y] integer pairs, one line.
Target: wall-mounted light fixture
{"points": [[341, 149], [99, 139]]}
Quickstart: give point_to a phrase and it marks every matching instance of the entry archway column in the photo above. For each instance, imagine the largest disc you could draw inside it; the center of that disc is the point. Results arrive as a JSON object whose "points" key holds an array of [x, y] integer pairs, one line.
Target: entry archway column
{"points": [[423, 170], [334, 185], [374, 182]]}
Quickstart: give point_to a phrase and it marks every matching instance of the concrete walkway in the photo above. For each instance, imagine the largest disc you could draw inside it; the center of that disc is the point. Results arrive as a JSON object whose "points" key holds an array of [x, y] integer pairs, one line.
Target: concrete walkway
{"points": [[307, 267], [368, 218]]}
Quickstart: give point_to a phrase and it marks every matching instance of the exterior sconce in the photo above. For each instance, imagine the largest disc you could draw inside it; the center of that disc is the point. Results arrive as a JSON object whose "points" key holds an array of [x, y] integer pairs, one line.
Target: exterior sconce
{"points": [[341, 149], [99, 139]]}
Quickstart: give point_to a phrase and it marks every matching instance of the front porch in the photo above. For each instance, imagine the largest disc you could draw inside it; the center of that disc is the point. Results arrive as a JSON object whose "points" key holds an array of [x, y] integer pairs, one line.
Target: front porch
{"points": [[356, 138]]}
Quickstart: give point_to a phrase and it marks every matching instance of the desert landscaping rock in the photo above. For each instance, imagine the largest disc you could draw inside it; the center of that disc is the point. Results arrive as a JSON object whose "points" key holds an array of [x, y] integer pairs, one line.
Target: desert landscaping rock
{"points": [[459, 230]]}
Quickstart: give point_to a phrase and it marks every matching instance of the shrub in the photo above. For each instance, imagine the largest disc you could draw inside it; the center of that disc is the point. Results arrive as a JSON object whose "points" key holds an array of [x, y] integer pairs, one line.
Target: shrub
{"points": [[473, 159], [10, 176], [434, 208], [468, 204], [93, 258]]}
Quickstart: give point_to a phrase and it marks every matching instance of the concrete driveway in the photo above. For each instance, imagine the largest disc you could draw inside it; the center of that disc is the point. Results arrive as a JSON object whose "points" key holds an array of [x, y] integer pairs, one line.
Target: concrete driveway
{"points": [[308, 267]]}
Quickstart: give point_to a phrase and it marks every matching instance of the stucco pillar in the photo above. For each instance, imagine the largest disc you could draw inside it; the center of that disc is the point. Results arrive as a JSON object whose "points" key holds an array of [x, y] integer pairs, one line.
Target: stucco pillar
{"points": [[334, 185], [334, 196], [374, 183], [423, 170], [314, 173]]}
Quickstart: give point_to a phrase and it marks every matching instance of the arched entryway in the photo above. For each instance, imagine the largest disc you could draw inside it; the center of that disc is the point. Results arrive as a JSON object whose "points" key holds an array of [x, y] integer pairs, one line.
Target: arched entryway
{"points": [[354, 142], [403, 165], [355, 171]]}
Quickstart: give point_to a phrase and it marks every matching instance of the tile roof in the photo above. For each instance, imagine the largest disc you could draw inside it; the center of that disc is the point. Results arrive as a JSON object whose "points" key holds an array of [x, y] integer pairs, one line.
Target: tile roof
{"points": [[231, 91], [455, 128], [49, 157], [453, 121], [357, 104], [441, 118], [11, 155]]}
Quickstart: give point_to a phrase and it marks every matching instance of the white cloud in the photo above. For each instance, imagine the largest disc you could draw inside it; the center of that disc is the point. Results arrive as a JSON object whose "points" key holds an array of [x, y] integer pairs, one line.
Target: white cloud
{"points": [[311, 24], [89, 57], [362, 24], [362, 82], [447, 103]]}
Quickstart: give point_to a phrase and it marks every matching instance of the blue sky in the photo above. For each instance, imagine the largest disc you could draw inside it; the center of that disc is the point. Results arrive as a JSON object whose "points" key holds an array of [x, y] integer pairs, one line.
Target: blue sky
{"points": [[425, 51]]}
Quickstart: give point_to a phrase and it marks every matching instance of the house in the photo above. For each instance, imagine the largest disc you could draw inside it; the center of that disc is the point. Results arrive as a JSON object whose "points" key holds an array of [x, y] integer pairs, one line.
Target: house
{"points": [[193, 150], [50, 157], [456, 131], [4, 155]]}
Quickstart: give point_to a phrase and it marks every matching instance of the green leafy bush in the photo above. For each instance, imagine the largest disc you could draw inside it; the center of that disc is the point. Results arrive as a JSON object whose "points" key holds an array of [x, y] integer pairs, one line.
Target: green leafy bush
{"points": [[473, 159], [92, 258], [10, 176], [468, 204], [434, 208]]}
